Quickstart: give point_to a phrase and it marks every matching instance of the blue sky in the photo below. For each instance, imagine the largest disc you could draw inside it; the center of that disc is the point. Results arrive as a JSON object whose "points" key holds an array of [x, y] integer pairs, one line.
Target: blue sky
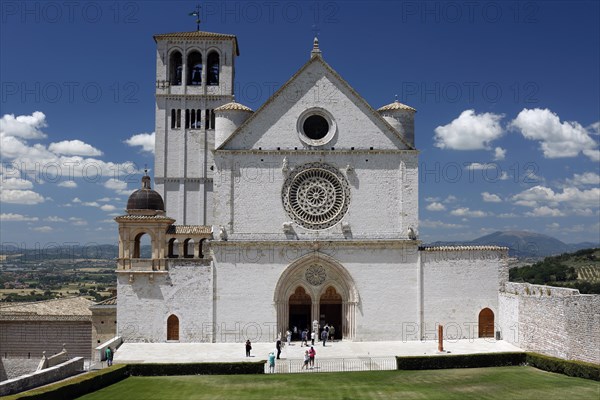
{"points": [[507, 95]]}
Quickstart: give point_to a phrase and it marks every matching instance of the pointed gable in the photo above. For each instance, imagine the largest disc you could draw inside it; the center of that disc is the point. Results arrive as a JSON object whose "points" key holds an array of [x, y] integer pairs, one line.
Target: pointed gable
{"points": [[315, 87]]}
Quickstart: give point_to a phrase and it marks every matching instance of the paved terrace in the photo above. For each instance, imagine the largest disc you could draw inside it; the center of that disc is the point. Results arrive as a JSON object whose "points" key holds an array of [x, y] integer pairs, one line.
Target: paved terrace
{"points": [[232, 352]]}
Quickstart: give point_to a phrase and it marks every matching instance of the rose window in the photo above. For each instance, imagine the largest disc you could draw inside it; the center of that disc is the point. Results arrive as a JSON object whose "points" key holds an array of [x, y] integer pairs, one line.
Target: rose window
{"points": [[315, 275], [316, 196]]}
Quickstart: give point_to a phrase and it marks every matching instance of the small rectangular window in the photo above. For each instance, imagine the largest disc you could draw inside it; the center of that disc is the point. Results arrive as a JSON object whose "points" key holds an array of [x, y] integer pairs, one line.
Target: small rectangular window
{"points": [[206, 119], [178, 118], [187, 119], [173, 118]]}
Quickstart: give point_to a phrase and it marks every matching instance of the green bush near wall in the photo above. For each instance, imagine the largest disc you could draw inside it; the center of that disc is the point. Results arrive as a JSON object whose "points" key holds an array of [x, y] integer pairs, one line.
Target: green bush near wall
{"points": [[578, 369], [244, 368], [461, 361], [77, 386]]}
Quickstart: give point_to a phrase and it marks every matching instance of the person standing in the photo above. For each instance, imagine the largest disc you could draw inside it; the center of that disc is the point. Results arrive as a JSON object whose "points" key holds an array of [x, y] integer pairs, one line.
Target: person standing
{"points": [[306, 360], [304, 338], [311, 355], [271, 363], [324, 336], [331, 332], [248, 347], [109, 356], [278, 346], [312, 338], [289, 337]]}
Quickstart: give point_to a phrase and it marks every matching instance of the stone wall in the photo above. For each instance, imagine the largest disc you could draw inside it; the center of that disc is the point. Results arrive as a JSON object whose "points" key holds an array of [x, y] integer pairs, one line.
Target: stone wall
{"points": [[555, 321], [29, 339], [15, 367], [43, 377]]}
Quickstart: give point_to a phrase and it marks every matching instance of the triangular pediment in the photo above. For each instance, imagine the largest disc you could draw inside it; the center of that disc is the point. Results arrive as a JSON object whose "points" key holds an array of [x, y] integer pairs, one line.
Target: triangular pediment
{"points": [[277, 125]]}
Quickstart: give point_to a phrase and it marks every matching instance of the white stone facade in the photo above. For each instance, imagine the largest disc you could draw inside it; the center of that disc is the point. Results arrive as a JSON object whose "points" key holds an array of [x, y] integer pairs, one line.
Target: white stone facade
{"points": [[313, 203]]}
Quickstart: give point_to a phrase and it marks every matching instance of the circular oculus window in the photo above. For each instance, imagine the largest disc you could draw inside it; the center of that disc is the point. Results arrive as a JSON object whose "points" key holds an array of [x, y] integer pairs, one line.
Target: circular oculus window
{"points": [[316, 127]]}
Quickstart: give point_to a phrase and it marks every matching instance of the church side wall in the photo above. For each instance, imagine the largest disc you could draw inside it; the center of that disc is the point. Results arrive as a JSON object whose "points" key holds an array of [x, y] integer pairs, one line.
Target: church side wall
{"points": [[457, 285], [555, 321], [143, 306]]}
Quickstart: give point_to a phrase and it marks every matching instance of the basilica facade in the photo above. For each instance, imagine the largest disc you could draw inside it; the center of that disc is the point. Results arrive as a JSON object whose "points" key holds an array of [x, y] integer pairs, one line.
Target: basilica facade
{"points": [[299, 214]]}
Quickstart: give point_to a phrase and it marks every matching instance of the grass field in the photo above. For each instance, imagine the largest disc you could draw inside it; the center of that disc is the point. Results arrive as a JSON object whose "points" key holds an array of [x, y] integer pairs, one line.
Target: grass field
{"points": [[477, 383]]}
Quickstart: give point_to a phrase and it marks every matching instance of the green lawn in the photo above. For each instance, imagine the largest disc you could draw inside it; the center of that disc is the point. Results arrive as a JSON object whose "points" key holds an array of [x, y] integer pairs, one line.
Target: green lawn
{"points": [[477, 383]]}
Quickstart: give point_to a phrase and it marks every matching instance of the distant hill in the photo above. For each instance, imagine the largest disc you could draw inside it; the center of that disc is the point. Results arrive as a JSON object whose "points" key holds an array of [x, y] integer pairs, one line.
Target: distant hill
{"points": [[61, 252], [523, 244]]}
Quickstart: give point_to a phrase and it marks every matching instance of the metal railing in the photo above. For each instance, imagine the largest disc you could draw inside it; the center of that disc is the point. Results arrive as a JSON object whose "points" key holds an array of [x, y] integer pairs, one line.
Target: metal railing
{"points": [[335, 365]]}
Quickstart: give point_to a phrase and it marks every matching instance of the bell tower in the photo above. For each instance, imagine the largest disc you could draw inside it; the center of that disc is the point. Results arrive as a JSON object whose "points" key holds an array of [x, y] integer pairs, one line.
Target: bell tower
{"points": [[194, 75]]}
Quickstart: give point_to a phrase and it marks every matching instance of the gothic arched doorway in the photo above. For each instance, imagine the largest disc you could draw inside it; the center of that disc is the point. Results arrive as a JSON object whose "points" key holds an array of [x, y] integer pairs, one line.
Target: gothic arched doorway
{"points": [[172, 327], [330, 311], [486, 323], [308, 281], [300, 303]]}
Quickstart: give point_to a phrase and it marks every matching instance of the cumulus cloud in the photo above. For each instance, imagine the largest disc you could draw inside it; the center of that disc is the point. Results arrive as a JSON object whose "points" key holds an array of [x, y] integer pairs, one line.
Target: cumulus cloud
{"points": [[53, 218], [538, 196], [17, 217], [587, 178], [15, 183], [435, 206], [108, 207], [115, 184], [78, 221], [490, 197], [27, 197], [23, 126], [438, 224], [42, 229], [469, 131], [143, 140], [557, 139], [593, 155], [68, 184], [466, 212], [499, 154], [545, 211], [73, 158], [74, 148]]}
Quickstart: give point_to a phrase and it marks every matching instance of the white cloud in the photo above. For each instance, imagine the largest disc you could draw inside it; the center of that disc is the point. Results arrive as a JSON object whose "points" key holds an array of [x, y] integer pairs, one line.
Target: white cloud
{"points": [[143, 140], [15, 183], [78, 221], [17, 217], [68, 184], [490, 197], [54, 219], [545, 211], [587, 178], [499, 154], [450, 199], [74, 148], [504, 176], [23, 126], [438, 224], [76, 200], [104, 200], [435, 206], [43, 229], [431, 199], [507, 215], [469, 131], [466, 212], [27, 197], [478, 166], [593, 155], [572, 197], [553, 226], [108, 207], [90, 204], [557, 139], [594, 128], [115, 184]]}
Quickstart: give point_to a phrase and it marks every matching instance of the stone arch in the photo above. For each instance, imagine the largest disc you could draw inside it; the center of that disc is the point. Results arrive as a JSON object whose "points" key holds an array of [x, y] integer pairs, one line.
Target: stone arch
{"points": [[314, 273], [213, 68], [137, 243], [175, 67]]}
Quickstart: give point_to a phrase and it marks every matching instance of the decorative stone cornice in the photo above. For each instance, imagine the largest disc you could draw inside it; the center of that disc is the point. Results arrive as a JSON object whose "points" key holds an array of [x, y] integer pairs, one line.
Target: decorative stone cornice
{"points": [[463, 248]]}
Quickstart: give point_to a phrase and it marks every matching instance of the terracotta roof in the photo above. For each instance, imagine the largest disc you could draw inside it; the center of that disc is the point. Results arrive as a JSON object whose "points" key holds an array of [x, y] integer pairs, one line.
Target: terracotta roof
{"points": [[463, 248], [188, 230], [199, 35], [70, 308], [233, 106], [108, 302], [143, 217], [396, 105]]}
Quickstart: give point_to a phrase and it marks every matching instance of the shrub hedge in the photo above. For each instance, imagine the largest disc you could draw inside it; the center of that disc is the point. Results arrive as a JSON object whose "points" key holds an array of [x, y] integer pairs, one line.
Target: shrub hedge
{"points": [[461, 361], [77, 386], [197, 369], [578, 369]]}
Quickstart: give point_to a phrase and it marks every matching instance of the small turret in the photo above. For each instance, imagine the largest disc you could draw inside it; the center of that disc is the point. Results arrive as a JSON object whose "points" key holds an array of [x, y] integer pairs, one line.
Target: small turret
{"points": [[402, 118], [228, 118]]}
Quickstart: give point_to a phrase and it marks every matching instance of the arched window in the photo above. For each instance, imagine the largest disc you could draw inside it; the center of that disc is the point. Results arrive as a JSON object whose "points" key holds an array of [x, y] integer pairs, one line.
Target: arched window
{"points": [[142, 247], [486, 323], [188, 248], [213, 69], [175, 68], [172, 327], [173, 248], [194, 68]]}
